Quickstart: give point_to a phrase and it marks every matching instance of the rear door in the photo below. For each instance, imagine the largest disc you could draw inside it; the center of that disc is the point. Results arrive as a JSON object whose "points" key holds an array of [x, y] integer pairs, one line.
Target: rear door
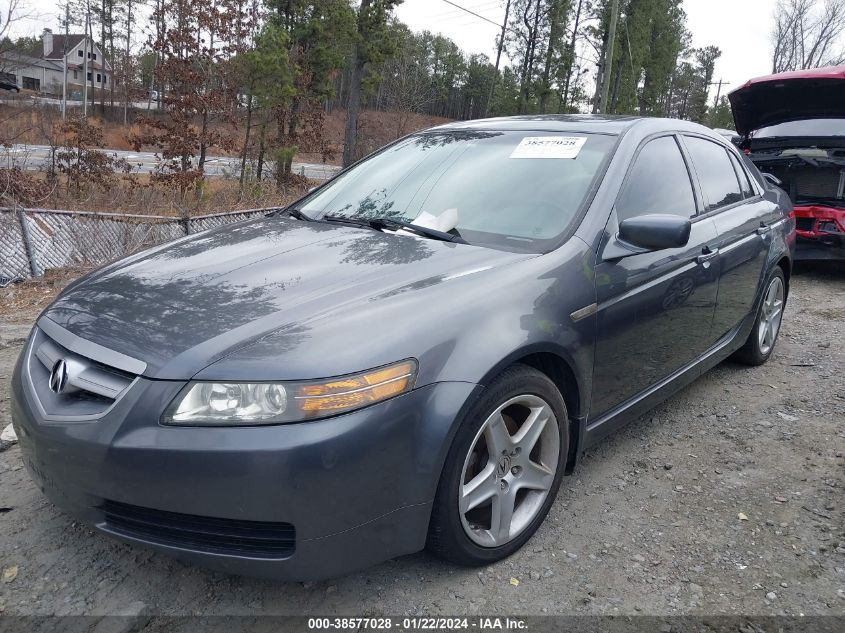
{"points": [[655, 309], [742, 218]]}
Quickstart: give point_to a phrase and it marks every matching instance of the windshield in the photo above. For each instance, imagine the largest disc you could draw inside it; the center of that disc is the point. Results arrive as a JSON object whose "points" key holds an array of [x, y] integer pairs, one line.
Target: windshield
{"points": [[810, 127], [510, 190]]}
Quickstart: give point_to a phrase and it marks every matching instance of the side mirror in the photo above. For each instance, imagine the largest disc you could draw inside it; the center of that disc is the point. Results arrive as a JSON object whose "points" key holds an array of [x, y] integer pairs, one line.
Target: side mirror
{"points": [[656, 232]]}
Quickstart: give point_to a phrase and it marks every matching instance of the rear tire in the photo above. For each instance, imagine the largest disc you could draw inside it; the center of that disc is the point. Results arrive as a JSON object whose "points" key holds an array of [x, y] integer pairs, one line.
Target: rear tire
{"points": [[763, 337], [503, 470]]}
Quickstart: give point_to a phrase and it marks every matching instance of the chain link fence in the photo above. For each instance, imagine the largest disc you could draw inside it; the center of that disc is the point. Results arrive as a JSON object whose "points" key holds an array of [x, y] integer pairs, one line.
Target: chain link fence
{"points": [[33, 240]]}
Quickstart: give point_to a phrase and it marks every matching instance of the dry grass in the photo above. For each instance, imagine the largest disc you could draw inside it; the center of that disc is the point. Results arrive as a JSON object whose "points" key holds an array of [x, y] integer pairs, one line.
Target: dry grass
{"points": [[21, 302], [141, 195], [29, 124]]}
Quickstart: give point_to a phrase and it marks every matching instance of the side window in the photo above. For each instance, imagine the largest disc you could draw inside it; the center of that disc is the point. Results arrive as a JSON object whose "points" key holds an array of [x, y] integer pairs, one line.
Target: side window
{"points": [[719, 183], [657, 183], [744, 182]]}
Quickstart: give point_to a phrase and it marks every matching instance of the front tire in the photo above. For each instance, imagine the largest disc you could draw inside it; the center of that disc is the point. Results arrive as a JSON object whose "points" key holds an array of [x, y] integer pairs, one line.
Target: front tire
{"points": [[761, 341], [503, 470]]}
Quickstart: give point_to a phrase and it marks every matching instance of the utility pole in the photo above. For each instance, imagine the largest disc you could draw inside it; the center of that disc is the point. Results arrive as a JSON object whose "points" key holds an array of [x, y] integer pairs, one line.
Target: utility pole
{"points": [[498, 57], [64, 62], [719, 83], [608, 61]]}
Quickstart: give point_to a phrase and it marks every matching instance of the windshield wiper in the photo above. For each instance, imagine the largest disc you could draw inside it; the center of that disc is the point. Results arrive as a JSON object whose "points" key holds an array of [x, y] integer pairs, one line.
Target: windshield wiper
{"points": [[351, 221], [390, 223], [379, 224]]}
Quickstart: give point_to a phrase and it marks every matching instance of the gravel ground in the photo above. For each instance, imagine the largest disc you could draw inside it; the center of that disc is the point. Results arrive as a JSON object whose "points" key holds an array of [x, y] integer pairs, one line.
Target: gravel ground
{"points": [[727, 499]]}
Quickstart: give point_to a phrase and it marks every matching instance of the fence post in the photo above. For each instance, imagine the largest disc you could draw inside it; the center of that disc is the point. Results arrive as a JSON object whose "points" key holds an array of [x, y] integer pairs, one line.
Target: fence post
{"points": [[27, 244], [186, 225]]}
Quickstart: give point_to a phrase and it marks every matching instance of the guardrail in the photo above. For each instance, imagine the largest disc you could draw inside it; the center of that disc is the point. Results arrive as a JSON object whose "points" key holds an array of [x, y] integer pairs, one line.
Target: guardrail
{"points": [[33, 240]]}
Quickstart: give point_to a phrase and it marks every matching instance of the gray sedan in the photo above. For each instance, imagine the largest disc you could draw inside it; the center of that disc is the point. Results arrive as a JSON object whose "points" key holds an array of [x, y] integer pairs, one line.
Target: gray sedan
{"points": [[413, 355]]}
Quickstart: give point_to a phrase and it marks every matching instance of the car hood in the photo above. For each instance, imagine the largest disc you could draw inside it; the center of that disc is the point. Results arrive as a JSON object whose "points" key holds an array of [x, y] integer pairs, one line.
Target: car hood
{"points": [[184, 306], [792, 96]]}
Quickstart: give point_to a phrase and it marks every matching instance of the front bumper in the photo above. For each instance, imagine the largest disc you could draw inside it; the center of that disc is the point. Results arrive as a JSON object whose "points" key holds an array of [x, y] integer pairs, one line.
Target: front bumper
{"points": [[356, 489]]}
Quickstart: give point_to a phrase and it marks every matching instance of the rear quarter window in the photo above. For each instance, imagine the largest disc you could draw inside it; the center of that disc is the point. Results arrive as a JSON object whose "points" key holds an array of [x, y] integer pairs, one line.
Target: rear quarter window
{"points": [[716, 175]]}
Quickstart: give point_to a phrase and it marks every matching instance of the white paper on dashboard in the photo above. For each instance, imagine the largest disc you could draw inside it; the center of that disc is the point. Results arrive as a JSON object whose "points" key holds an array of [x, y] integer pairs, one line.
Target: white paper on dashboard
{"points": [[549, 147], [444, 222]]}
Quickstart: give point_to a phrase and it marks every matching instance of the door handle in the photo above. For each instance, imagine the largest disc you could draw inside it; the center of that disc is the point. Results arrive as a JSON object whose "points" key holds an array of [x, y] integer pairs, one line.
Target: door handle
{"points": [[763, 230], [707, 256]]}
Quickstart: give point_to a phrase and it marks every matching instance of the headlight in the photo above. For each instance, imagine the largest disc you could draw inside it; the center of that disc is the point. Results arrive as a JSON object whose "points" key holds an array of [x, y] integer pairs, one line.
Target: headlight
{"points": [[247, 404]]}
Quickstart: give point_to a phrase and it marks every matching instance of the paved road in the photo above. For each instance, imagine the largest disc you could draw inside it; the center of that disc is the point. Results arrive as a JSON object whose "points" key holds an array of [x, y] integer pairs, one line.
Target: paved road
{"points": [[35, 157]]}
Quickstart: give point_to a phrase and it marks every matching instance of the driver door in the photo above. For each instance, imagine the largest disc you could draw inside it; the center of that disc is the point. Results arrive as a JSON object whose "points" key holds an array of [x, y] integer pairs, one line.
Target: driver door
{"points": [[655, 309]]}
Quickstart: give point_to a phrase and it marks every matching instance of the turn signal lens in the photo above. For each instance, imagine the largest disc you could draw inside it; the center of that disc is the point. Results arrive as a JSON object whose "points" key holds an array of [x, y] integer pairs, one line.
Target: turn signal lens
{"points": [[250, 404], [358, 391]]}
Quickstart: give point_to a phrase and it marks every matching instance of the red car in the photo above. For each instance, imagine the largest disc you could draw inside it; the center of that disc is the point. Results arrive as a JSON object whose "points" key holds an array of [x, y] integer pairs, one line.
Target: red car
{"points": [[792, 125]]}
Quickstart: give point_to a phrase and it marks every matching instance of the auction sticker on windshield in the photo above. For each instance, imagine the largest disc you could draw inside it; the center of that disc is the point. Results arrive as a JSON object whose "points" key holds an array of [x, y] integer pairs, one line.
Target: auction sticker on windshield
{"points": [[549, 147]]}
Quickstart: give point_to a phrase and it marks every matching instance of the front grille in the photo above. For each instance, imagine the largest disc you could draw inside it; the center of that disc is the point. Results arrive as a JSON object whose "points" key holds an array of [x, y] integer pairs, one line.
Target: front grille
{"points": [[255, 539], [90, 389]]}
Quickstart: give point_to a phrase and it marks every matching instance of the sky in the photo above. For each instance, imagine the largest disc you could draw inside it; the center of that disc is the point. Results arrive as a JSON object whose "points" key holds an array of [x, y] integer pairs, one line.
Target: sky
{"points": [[741, 28]]}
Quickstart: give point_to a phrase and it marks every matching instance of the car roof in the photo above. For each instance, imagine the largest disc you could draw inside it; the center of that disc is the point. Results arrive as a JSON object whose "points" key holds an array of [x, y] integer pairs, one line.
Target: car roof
{"points": [[588, 123]]}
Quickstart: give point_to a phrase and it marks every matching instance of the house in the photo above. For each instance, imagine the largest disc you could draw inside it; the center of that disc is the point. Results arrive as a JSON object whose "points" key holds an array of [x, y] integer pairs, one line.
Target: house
{"points": [[43, 70]]}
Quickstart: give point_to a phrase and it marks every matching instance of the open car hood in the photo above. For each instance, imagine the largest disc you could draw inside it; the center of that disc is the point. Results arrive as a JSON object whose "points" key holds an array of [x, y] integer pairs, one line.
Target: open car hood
{"points": [[791, 96]]}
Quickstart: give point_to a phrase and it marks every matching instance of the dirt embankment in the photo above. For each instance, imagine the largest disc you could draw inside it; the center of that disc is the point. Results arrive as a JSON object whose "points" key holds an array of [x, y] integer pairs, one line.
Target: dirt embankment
{"points": [[27, 124]]}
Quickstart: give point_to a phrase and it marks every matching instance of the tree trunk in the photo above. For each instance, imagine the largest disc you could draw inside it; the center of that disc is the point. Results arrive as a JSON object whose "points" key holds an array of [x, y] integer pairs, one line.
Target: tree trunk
{"points": [[246, 143], [529, 62], [572, 43], [203, 148], [102, 56], [126, 64], [353, 106], [259, 168], [557, 17]]}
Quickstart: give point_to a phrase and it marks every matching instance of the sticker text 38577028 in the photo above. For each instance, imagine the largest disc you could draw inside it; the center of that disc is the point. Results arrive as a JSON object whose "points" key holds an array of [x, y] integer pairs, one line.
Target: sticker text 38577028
{"points": [[549, 147]]}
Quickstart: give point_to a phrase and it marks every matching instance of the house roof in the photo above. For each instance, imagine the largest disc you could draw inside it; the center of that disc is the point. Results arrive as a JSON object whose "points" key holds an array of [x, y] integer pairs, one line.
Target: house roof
{"points": [[14, 59], [59, 45]]}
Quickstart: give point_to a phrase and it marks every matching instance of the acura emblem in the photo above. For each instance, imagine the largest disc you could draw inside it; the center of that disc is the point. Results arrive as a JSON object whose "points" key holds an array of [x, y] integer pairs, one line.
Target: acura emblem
{"points": [[58, 376]]}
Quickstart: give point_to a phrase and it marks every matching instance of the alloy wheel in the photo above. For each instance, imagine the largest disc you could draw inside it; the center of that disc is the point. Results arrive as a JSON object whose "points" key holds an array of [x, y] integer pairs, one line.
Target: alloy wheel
{"points": [[770, 317], [509, 470]]}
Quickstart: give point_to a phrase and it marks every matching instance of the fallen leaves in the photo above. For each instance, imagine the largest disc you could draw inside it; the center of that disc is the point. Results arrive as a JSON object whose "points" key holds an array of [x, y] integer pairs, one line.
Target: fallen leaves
{"points": [[10, 573]]}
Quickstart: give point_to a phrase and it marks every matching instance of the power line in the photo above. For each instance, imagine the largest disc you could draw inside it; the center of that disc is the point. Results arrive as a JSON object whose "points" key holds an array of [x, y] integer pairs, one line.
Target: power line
{"points": [[478, 15], [484, 6]]}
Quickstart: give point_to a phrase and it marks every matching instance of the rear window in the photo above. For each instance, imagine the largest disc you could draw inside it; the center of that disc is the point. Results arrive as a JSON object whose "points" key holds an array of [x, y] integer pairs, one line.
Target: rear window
{"points": [[811, 127]]}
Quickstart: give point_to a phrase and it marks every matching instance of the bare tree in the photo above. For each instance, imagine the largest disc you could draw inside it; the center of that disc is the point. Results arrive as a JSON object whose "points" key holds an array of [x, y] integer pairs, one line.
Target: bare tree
{"points": [[808, 34], [11, 12], [407, 89]]}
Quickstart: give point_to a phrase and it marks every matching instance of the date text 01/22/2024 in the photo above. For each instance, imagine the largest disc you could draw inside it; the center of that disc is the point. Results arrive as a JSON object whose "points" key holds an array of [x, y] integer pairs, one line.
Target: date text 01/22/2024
{"points": [[417, 624]]}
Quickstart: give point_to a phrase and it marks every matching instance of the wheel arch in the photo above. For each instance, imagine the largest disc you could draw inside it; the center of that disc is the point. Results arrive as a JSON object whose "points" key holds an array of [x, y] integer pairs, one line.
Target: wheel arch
{"points": [[785, 264], [560, 369]]}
